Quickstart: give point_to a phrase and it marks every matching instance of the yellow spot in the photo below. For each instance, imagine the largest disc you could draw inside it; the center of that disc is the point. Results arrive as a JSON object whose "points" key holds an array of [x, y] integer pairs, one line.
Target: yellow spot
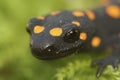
{"points": [[113, 11], [55, 13], [90, 14], [38, 29], [76, 23], [83, 36], [95, 41], [78, 13], [41, 17], [56, 31]]}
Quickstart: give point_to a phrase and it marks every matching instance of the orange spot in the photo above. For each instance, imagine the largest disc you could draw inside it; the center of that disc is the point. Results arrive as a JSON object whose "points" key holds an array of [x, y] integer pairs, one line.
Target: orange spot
{"points": [[76, 23], [56, 31], [90, 14], [78, 13], [41, 17], [113, 11], [96, 41], [55, 13], [83, 36], [38, 29]]}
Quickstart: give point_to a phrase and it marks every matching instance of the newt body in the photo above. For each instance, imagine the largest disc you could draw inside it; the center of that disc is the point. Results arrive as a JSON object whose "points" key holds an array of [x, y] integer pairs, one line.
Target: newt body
{"points": [[62, 33]]}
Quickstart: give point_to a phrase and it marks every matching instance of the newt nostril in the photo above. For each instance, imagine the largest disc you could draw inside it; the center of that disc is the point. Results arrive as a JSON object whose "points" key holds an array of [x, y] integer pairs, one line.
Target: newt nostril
{"points": [[47, 52], [50, 49]]}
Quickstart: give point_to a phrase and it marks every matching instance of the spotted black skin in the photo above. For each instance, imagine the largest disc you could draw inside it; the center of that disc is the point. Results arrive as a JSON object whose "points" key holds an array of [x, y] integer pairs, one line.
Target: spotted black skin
{"points": [[40, 44], [44, 46]]}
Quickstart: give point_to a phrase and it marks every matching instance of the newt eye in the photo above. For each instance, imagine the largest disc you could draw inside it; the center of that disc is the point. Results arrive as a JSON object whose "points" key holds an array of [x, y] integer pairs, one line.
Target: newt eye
{"points": [[71, 36]]}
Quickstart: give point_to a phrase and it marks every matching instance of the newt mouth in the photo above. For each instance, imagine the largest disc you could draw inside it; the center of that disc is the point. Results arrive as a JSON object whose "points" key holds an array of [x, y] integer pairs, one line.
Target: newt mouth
{"points": [[51, 56]]}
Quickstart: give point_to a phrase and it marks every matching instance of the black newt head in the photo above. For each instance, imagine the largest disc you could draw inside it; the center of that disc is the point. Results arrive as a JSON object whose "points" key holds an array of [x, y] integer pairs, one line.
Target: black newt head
{"points": [[59, 34]]}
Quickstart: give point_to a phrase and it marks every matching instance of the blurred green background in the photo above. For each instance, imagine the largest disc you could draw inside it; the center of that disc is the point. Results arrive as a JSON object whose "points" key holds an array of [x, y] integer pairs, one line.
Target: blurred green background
{"points": [[16, 60]]}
